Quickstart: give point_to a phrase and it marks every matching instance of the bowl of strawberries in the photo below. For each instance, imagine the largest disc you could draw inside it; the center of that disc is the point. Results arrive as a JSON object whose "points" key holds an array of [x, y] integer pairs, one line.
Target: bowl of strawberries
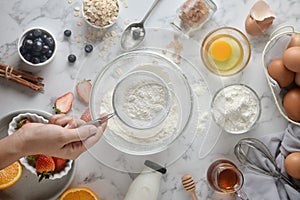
{"points": [[44, 166]]}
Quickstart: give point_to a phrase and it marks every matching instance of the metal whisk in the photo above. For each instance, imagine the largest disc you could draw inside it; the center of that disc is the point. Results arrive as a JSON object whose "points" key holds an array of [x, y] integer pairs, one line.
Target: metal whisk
{"points": [[241, 151]]}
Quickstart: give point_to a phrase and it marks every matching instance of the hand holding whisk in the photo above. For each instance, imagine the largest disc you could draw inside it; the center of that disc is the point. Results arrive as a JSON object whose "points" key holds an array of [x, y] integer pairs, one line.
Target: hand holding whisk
{"points": [[241, 151]]}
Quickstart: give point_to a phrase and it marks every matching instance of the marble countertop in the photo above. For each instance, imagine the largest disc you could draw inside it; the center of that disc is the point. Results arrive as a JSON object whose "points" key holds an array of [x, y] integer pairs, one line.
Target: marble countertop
{"points": [[61, 77]]}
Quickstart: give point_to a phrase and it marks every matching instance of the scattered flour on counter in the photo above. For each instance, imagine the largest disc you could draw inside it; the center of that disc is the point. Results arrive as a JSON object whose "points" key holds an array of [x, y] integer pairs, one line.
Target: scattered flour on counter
{"points": [[236, 108]]}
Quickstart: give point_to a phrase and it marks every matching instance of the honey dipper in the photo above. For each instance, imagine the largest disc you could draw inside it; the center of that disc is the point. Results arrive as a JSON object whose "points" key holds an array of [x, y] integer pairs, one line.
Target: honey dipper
{"points": [[189, 185]]}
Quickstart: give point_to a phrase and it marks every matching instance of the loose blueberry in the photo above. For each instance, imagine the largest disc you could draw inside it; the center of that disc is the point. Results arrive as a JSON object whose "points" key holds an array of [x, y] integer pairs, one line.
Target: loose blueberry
{"points": [[49, 53], [88, 48], [37, 32], [43, 58], [67, 33], [136, 34], [35, 60], [71, 58], [28, 44]]}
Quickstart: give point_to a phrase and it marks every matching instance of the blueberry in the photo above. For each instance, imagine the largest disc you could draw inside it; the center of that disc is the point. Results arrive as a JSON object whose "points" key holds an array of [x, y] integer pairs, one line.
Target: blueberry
{"points": [[23, 50], [50, 42], [43, 58], [30, 35], [136, 34], [71, 58], [35, 60], [27, 57], [35, 53], [67, 33], [38, 40], [44, 36], [28, 44], [37, 46], [45, 49], [88, 48], [49, 53], [37, 33]]}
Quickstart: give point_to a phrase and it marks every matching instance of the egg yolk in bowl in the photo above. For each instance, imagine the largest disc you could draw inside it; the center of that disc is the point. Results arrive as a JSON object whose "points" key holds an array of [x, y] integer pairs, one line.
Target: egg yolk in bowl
{"points": [[225, 52]]}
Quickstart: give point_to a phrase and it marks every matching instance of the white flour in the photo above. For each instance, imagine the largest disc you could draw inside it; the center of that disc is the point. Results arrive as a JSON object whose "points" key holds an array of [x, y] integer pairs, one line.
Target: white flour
{"points": [[236, 108], [145, 101], [167, 130]]}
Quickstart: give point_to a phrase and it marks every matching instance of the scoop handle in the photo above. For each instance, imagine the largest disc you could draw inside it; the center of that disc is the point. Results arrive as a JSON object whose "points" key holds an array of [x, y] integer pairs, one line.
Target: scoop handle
{"points": [[149, 11]]}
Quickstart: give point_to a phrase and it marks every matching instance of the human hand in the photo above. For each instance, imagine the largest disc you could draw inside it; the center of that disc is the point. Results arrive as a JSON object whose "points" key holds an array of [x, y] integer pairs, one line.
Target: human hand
{"points": [[62, 137]]}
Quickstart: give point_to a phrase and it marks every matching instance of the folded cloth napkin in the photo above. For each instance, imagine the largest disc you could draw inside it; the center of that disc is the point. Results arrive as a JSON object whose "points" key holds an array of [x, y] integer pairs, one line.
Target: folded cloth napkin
{"points": [[263, 187]]}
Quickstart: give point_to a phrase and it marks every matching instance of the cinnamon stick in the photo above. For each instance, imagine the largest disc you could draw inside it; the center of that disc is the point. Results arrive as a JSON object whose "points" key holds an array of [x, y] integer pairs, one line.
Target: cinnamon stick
{"points": [[22, 77]]}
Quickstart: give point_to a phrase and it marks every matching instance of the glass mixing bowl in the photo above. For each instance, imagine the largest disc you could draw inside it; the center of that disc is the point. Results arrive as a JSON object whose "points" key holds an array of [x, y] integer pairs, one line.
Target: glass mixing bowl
{"points": [[225, 51], [147, 141]]}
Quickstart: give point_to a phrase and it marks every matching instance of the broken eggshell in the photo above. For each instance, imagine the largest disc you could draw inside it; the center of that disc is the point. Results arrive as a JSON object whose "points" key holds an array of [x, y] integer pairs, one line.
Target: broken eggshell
{"points": [[259, 19]]}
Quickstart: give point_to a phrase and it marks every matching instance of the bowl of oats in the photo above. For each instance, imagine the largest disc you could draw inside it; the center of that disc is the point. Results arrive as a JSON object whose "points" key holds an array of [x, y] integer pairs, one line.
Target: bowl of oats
{"points": [[100, 14]]}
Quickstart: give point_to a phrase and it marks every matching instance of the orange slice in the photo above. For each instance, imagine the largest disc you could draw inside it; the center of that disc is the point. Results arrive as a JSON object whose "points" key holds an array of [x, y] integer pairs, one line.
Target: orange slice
{"points": [[78, 193], [10, 175]]}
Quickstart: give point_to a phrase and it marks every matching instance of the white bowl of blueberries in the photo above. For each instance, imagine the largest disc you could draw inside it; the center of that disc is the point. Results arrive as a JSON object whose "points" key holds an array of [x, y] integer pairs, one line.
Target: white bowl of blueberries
{"points": [[37, 46]]}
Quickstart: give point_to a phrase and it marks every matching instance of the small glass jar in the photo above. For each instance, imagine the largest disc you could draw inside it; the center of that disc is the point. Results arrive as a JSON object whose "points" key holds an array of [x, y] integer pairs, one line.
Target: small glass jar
{"points": [[193, 14]]}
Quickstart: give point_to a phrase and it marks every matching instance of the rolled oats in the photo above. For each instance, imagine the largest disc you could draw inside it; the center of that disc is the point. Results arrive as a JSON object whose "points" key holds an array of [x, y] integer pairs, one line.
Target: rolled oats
{"points": [[101, 12]]}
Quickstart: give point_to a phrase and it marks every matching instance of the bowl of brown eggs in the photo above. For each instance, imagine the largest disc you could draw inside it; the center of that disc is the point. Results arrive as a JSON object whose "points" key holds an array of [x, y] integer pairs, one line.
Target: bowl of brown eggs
{"points": [[281, 62]]}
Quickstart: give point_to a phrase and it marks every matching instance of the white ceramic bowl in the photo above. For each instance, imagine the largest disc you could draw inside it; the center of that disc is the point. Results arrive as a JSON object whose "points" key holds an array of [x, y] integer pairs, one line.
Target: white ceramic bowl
{"points": [[49, 58], [38, 119], [96, 26]]}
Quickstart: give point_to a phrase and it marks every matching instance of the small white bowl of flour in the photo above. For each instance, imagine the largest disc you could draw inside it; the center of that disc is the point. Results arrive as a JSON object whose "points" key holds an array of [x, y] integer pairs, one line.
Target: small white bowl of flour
{"points": [[236, 108]]}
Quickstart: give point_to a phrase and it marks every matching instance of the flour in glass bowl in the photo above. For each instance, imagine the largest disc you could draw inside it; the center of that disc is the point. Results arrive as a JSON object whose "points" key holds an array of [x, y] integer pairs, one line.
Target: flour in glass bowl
{"points": [[145, 101], [165, 131], [236, 108]]}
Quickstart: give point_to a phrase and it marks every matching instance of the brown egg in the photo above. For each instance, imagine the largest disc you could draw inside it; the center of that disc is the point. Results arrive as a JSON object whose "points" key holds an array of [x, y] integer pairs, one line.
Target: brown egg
{"points": [[297, 79], [280, 73], [292, 165], [295, 40], [291, 104], [291, 59]]}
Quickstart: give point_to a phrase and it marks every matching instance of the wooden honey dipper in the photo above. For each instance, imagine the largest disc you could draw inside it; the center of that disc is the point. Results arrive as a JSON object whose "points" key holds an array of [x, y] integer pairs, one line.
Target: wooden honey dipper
{"points": [[189, 185]]}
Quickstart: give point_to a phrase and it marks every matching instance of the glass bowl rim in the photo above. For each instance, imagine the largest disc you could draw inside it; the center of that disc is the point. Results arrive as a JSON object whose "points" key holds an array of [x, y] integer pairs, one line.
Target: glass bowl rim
{"points": [[190, 91]]}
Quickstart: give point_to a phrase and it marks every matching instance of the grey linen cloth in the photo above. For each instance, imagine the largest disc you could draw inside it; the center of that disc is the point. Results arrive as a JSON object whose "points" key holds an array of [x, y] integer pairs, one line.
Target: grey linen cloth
{"points": [[262, 187]]}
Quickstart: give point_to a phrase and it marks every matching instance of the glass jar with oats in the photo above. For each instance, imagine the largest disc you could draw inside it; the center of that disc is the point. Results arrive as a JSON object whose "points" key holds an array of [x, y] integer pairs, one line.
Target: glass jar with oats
{"points": [[193, 14]]}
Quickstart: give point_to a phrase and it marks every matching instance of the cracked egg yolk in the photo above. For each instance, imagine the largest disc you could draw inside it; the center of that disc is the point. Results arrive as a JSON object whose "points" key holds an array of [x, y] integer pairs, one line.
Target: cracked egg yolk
{"points": [[221, 50]]}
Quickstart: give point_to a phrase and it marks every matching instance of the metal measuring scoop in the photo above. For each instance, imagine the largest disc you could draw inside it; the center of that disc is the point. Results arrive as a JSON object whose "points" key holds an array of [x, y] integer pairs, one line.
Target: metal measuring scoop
{"points": [[241, 151], [97, 122], [135, 33]]}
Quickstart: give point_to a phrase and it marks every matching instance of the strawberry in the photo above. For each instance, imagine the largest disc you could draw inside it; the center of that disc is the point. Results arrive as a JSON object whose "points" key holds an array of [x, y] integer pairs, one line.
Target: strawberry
{"points": [[63, 104], [83, 90], [86, 116], [45, 166], [59, 163], [23, 122]]}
